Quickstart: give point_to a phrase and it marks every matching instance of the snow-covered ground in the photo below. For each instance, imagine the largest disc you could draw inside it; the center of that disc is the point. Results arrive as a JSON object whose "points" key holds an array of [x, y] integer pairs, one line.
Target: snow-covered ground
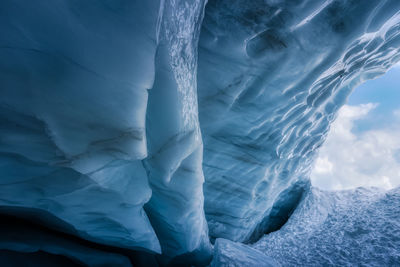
{"points": [[358, 227]]}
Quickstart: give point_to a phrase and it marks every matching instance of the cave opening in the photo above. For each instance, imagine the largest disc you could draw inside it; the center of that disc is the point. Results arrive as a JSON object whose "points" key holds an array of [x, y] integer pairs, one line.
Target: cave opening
{"points": [[362, 148]]}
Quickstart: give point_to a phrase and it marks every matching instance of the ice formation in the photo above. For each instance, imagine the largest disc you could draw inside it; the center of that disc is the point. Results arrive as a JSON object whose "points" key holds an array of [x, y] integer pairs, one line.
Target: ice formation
{"points": [[346, 228], [266, 103], [232, 254], [114, 115]]}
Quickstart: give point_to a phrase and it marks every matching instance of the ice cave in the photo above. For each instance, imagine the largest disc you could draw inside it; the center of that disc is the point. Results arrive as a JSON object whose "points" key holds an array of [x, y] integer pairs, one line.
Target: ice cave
{"points": [[183, 132]]}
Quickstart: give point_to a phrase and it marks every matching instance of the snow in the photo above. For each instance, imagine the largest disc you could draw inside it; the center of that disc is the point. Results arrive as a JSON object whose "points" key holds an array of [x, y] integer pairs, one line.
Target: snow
{"points": [[343, 228]]}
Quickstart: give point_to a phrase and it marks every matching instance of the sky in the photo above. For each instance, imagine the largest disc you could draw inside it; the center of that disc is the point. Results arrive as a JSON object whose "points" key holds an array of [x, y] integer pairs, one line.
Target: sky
{"points": [[363, 145]]}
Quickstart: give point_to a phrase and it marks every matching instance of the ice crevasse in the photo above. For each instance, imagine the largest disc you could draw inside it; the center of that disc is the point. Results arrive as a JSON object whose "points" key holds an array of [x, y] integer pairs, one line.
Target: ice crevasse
{"points": [[141, 128]]}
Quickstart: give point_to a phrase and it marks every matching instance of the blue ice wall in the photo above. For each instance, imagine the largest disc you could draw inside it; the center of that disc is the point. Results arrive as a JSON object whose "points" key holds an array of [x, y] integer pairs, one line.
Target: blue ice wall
{"points": [[98, 119], [272, 75], [154, 126]]}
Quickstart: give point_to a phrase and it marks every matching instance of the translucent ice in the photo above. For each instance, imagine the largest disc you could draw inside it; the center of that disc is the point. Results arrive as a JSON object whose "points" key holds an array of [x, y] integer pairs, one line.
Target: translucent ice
{"points": [[74, 108], [272, 75], [114, 115]]}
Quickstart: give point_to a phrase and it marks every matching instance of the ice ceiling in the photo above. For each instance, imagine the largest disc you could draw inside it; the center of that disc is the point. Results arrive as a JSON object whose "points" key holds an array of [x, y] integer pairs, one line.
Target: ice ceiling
{"points": [[156, 126]]}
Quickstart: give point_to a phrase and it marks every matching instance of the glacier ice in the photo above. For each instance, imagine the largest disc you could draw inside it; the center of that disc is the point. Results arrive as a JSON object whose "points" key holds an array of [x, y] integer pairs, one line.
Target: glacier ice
{"points": [[358, 227], [73, 114], [78, 120], [272, 75], [19, 240], [156, 125], [232, 254]]}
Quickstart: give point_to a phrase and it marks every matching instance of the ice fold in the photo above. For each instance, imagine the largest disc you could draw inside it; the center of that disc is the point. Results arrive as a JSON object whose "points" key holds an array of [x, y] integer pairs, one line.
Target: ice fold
{"points": [[272, 75], [232, 254], [159, 125], [99, 121], [74, 90]]}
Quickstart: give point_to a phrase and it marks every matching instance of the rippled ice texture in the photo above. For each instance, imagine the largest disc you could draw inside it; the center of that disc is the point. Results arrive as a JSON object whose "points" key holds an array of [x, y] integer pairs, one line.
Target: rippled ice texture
{"points": [[114, 115], [271, 77], [358, 227]]}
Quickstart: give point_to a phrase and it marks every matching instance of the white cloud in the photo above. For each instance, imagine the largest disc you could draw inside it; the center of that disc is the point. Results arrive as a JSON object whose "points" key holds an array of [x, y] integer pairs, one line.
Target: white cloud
{"points": [[397, 65], [348, 160], [396, 113]]}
